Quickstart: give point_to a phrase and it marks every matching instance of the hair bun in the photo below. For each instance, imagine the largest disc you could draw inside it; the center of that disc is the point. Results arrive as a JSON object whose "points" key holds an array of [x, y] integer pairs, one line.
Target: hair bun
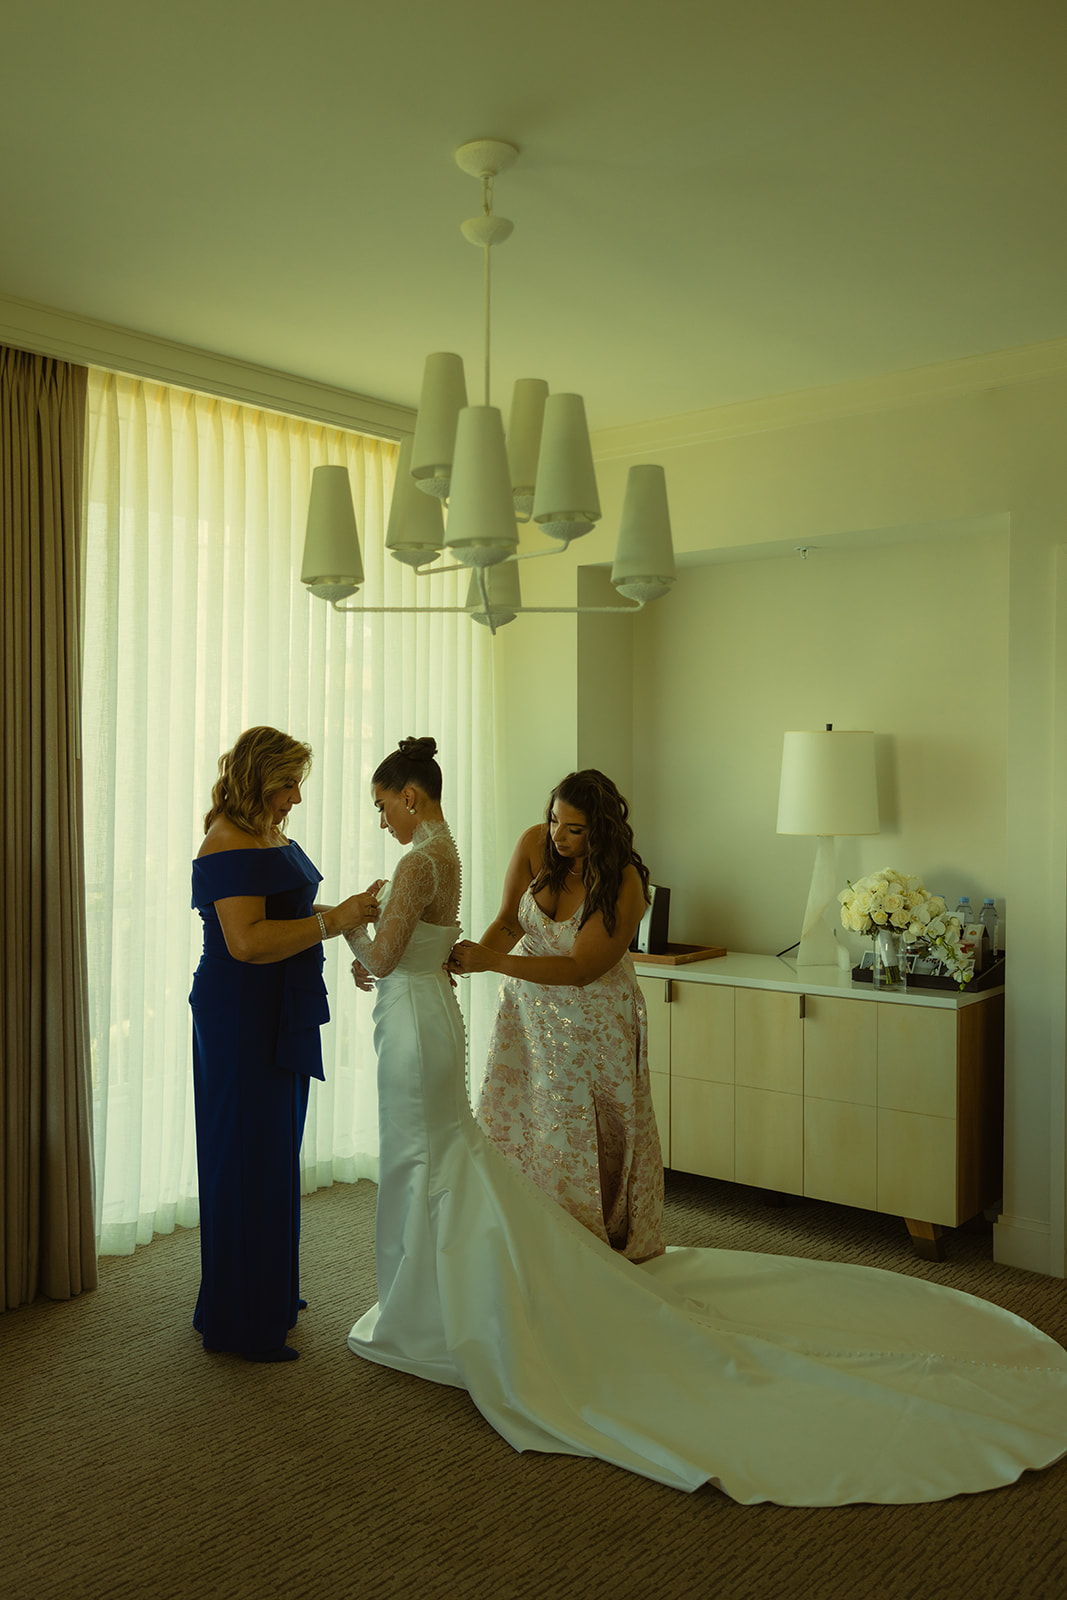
{"points": [[418, 749]]}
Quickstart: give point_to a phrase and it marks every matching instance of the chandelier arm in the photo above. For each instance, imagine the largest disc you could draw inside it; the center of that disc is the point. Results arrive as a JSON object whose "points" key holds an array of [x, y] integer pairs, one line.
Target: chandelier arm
{"points": [[526, 555], [580, 611], [421, 611], [431, 571], [533, 555], [461, 611]]}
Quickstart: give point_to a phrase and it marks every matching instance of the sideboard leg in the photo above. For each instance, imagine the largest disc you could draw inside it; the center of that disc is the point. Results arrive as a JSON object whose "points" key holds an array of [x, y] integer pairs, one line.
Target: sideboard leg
{"points": [[926, 1239]]}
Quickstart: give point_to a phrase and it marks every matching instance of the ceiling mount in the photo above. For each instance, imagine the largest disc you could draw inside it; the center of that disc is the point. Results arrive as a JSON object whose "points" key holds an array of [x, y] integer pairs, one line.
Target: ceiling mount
{"points": [[484, 158]]}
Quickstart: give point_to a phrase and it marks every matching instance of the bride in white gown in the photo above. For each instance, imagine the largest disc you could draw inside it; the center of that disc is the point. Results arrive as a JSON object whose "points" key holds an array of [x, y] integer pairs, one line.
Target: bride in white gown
{"points": [[773, 1378]]}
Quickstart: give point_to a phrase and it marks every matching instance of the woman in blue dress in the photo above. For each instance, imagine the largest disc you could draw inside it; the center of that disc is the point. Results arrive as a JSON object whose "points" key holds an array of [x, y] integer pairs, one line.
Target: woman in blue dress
{"points": [[258, 1001]]}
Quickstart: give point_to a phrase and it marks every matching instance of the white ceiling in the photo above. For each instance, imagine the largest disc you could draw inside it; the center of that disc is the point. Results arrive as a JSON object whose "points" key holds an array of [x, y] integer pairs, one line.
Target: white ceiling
{"points": [[714, 202]]}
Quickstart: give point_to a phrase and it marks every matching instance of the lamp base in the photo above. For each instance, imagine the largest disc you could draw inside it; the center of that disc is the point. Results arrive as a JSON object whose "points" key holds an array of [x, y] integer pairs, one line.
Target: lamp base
{"points": [[818, 946]]}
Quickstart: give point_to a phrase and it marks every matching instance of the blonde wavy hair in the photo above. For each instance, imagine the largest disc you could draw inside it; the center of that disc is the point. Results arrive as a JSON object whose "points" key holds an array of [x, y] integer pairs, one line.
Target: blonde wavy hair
{"points": [[260, 763]]}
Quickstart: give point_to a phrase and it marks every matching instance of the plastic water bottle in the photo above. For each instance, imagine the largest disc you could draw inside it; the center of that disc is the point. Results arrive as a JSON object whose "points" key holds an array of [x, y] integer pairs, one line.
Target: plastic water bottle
{"points": [[963, 910], [991, 922]]}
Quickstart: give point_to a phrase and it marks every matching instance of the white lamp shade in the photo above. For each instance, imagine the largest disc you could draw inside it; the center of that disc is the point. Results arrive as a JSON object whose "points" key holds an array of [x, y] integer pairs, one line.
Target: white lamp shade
{"points": [[443, 396], [416, 530], [481, 517], [566, 503], [828, 783], [525, 421], [332, 567], [644, 557], [505, 596]]}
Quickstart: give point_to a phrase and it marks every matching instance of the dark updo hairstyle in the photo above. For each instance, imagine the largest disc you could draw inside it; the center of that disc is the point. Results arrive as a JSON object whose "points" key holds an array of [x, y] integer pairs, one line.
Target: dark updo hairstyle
{"points": [[260, 763], [411, 762], [610, 844]]}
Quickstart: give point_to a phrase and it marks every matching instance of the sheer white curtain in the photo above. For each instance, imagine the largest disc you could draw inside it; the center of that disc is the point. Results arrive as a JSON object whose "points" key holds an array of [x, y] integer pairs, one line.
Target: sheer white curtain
{"points": [[197, 626]]}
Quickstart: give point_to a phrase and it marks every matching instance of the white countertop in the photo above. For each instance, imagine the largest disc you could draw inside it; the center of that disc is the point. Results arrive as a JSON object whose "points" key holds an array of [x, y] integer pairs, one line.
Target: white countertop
{"points": [[779, 972]]}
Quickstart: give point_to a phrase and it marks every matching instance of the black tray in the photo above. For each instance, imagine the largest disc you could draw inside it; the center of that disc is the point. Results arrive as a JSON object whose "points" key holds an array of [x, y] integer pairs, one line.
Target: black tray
{"points": [[991, 978]]}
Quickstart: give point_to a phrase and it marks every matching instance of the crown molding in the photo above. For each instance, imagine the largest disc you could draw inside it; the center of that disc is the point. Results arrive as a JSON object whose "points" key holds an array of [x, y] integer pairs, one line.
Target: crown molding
{"points": [[887, 392], [48, 332]]}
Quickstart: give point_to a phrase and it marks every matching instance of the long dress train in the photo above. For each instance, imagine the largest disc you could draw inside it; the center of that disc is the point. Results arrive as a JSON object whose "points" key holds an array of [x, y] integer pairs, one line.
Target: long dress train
{"points": [[794, 1381]]}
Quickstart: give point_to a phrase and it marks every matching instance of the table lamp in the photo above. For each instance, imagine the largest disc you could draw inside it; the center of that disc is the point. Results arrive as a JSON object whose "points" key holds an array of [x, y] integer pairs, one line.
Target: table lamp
{"points": [[828, 787]]}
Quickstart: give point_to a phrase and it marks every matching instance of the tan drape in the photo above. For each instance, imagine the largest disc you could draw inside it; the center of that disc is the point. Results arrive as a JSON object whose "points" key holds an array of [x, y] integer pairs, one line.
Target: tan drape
{"points": [[46, 1199]]}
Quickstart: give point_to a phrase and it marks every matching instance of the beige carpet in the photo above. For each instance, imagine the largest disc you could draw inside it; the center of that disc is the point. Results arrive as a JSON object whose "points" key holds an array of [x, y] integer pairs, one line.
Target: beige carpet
{"points": [[134, 1464]]}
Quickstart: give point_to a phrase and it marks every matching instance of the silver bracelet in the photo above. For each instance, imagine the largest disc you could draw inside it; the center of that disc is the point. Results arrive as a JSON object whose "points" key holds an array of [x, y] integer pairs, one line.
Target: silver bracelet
{"points": [[322, 926]]}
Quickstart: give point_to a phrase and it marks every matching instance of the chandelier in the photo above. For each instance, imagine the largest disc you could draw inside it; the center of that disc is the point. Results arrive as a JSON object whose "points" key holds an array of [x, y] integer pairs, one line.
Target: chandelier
{"points": [[460, 458]]}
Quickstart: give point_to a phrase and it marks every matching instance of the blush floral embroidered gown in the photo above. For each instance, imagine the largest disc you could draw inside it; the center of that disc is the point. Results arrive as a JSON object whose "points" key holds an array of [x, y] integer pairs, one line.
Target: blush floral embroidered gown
{"points": [[772, 1378], [567, 1094]]}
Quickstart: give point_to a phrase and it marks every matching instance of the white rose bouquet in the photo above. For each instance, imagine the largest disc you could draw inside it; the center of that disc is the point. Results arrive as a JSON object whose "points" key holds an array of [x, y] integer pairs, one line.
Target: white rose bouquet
{"points": [[889, 899]]}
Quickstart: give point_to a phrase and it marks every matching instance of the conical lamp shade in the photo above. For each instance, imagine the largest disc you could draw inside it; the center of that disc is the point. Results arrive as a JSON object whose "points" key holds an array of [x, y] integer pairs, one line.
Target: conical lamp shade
{"points": [[416, 530], [443, 396], [505, 596], [566, 503], [332, 567], [524, 441], [481, 517], [644, 557]]}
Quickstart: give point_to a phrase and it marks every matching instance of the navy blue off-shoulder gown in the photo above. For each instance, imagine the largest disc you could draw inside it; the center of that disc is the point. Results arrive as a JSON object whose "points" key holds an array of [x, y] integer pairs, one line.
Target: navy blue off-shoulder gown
{"points": [[255, 1047]]}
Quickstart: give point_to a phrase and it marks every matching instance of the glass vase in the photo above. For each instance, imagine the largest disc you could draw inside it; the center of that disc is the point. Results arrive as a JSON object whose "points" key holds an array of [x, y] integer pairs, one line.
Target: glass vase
{"points": [[890, 965]]}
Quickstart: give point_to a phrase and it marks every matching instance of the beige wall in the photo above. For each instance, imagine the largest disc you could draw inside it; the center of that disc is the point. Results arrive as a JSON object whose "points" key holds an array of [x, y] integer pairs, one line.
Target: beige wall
{"points": [[908, 640], [940, 497]]}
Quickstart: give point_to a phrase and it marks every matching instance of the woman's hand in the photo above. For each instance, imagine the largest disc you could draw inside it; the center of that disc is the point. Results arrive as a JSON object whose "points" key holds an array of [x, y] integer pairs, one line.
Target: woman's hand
{"points": [[370, 899], [468, 957], [356, 911], [361, 977]]}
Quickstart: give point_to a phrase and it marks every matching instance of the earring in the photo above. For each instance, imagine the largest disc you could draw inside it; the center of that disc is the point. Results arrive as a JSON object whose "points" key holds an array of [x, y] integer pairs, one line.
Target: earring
{"points": [[411, 811]]}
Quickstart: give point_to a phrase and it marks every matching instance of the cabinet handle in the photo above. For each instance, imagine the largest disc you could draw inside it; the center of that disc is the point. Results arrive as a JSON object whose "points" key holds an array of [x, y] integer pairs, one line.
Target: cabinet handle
{"points": [[668, 991], [802, 1011]]}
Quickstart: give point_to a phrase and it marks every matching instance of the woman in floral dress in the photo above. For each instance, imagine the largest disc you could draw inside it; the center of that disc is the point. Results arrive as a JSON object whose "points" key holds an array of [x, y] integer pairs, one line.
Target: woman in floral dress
{"points": [[566, 1093]]}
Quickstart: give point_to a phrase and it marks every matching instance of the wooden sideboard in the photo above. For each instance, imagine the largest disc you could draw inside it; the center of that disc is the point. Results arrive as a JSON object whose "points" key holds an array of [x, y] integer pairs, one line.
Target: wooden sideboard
{"points": [[815, 1085]]}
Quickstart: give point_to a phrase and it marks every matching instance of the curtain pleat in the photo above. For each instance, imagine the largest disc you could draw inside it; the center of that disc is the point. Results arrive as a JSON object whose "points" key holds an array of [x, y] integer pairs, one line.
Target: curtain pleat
{"points": [[197, 627], [46, 1191]]}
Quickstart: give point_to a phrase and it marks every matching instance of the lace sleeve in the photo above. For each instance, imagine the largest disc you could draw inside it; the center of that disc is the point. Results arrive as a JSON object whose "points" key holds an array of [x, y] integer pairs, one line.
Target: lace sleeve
{"points": [[411, 891]]}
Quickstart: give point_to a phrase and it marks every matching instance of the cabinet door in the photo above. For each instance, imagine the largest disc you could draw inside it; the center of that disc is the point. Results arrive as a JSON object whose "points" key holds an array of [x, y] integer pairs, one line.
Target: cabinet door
{"points": [[768, 1040], [917, 1126], [702, 1032], [702, 1079], [658, 1007], [769, 1139], [917, 1059], [769, 1103], [840, 1094], [841, 1153], [702, 1127], [840, 1050], [917, 1167]]}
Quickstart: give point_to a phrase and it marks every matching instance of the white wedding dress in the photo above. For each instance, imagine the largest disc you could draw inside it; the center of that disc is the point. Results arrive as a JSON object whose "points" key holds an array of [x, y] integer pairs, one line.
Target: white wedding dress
{"points": [[773, 1378]]}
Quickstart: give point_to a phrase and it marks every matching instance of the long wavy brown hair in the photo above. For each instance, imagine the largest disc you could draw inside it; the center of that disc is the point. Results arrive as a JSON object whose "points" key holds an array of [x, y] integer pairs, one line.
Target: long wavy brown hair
{"points": [[610, 845], [260, 763]]}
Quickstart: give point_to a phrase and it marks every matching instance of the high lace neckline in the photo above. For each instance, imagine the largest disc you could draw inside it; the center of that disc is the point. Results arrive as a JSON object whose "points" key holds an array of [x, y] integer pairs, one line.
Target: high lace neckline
{"points": [[429, 828]]}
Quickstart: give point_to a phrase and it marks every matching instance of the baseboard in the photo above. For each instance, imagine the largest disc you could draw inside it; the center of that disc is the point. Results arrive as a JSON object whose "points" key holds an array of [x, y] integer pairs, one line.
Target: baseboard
{"points": [[1023, 1242]]}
